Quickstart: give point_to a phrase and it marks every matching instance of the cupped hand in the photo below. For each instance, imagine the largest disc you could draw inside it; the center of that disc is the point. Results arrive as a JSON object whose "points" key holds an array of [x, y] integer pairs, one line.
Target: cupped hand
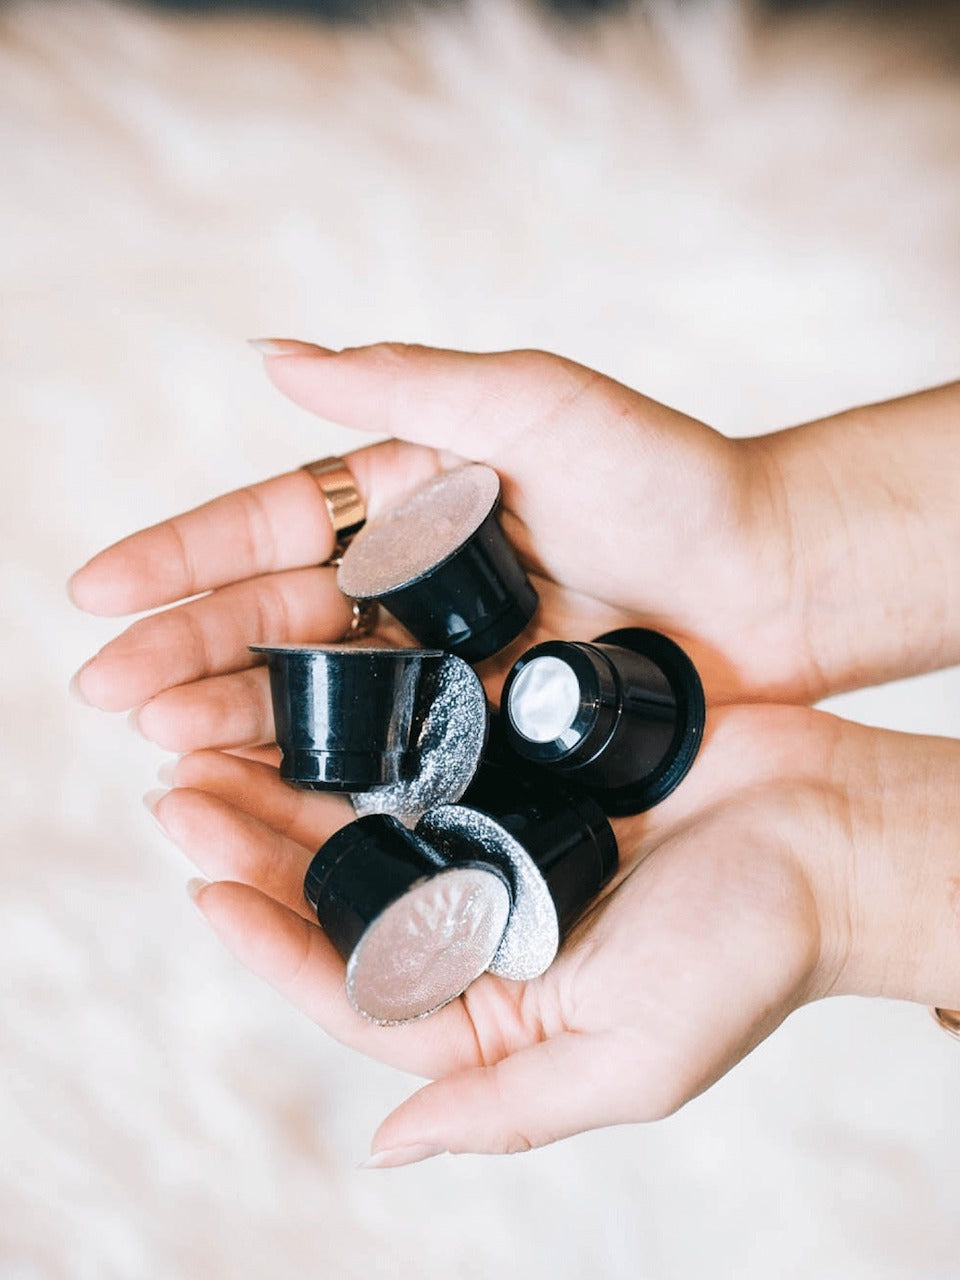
{"points": [[728, 912], [624, 511], [802, 856]]}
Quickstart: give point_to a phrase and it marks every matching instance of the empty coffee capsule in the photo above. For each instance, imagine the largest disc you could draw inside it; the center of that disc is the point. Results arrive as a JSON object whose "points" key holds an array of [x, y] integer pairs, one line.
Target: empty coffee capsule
{"points": [[622, 715], [399, 729], [552, 842], [440, 563], [414, 930]]}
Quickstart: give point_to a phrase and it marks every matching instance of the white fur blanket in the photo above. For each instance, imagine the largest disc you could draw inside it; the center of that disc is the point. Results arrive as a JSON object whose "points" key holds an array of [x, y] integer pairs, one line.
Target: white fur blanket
{"points": [[757, 223]]}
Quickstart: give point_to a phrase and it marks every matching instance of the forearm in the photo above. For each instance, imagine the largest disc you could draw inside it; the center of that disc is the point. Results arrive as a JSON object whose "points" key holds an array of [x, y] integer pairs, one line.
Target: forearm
{"points": [[869, 502]]}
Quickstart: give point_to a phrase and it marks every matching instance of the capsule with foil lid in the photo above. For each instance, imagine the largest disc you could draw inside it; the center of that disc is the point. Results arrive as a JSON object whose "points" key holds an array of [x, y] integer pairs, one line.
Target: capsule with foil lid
{"points": [[399, 729], [414, 930], [442, 565], [552, 841], [622, 715]]}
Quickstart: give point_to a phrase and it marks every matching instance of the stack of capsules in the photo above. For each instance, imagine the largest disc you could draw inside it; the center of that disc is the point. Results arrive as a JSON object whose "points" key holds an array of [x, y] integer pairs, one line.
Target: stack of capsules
{"points": [[480, 837]]}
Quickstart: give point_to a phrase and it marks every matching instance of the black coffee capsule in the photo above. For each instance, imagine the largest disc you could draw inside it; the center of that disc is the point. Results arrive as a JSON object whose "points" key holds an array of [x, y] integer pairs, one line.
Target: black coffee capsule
{"points": [[414, 930], [440, 563], [399, 729], [553, 843], [622, 715]]}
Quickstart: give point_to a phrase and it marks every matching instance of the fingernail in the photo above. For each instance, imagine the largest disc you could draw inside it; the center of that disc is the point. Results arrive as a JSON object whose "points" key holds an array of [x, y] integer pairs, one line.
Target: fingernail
{"points": [[394, 1157], [288, 347], [167, 771], [150, 802], [74, 686], [194, 886]]}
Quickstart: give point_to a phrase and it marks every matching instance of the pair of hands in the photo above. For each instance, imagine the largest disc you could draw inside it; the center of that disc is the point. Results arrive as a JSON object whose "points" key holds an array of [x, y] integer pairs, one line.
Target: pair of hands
{"points": [[769, 878]]}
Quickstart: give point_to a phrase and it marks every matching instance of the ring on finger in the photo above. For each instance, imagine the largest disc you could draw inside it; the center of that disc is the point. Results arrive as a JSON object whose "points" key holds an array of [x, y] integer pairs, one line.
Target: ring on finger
{"points": [[345, 506]]}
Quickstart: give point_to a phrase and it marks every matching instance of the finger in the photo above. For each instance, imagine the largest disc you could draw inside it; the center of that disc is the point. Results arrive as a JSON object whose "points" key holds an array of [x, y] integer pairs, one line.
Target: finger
{"points": [[296, 958], [208, 636], [307, 817], [538, 1095], [226, 843], [222, 711], [230, 712], [260, 755], [473, 404], [282, 523], [524, 411]]}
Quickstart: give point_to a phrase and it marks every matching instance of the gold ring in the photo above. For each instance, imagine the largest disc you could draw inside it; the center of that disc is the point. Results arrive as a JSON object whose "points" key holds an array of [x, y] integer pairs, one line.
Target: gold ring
{"points": [[949, 1019], [364, 620], [345, 507]]}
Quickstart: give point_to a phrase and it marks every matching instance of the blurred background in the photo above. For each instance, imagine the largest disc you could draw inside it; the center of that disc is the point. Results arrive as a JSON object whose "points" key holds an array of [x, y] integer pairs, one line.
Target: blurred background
{"points": [[750, 212]]}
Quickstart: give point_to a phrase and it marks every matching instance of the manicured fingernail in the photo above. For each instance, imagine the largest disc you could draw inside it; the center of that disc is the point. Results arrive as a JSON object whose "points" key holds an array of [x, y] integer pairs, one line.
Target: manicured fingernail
{"points": [[194, 886], [167, 771], [394, 1157], [150, 802], [288, 347], [74, 686]]}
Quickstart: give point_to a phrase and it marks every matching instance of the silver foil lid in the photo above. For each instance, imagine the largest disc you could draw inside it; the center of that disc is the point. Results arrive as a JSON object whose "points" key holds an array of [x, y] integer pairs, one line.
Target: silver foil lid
{"points": [[426, 947], [423, 531], [531, 938]]}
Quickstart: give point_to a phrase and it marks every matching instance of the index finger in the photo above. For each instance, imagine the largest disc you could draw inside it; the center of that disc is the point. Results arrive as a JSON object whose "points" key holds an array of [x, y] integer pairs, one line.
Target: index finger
{"points": [[281, 523]]}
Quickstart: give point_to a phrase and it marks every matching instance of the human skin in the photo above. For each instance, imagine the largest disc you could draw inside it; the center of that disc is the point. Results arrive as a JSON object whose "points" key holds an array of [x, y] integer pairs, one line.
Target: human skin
{"points": [[789, 566], [802, 856]]}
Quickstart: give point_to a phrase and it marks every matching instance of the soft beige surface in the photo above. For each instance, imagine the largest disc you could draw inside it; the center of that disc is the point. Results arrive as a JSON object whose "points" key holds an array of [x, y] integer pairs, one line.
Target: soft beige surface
{"points": [[755, 226]]}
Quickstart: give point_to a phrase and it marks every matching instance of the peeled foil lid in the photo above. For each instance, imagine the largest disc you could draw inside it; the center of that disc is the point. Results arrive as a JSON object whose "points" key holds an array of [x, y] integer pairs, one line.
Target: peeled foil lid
{"points": [[531, 938], [451, 740]]}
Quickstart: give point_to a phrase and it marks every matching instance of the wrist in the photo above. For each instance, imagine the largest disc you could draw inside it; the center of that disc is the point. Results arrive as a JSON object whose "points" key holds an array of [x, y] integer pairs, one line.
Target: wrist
{"points": [[890, 898], [865, 524], [787, 544]]}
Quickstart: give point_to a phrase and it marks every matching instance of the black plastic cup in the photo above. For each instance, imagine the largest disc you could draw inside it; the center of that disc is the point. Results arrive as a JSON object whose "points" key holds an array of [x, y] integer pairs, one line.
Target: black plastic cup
{"points": [[441, 564], [564, 830], [348, 719], [622, 716], [551, 840], [414, 930]]}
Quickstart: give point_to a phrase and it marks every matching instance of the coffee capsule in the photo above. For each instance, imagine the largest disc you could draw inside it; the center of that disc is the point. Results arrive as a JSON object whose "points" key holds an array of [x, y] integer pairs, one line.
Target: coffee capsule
{"points": [[622, 716], [414, 930], [398, 729], [551, 841], [441, 564]]}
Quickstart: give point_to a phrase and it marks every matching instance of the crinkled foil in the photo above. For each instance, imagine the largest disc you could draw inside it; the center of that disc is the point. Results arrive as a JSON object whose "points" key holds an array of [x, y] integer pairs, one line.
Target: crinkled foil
{"points": [[532, 936], [450, 742]]}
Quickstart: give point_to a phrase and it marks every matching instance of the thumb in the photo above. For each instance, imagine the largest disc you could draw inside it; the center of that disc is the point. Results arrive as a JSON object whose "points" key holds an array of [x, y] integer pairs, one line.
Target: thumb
{"points": [[554, 1089], [474, 405]]}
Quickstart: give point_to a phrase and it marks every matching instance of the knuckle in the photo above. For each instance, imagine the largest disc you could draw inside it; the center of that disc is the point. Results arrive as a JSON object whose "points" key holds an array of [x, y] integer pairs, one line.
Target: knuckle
{"points": [[392, 355], [255, 528], [516, 1142]]}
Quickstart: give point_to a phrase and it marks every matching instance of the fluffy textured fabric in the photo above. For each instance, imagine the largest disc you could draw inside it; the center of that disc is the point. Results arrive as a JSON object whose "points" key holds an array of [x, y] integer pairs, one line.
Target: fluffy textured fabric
{"points": [[757, 223]]}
